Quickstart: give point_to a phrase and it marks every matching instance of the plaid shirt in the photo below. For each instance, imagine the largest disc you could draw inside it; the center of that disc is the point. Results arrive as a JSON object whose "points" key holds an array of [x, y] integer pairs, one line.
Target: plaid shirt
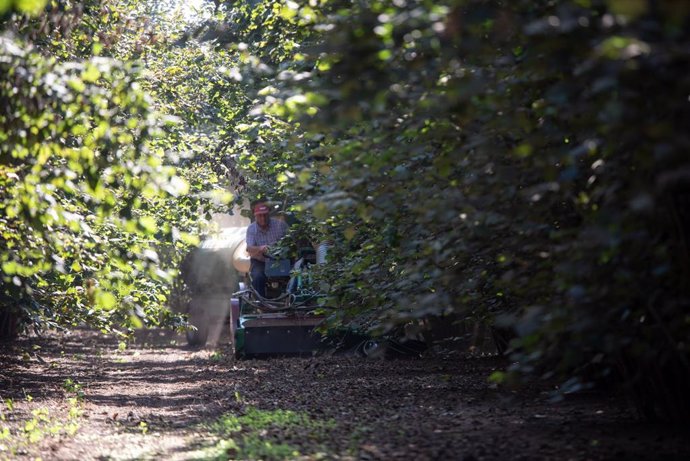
{"points": [[257, 236]]}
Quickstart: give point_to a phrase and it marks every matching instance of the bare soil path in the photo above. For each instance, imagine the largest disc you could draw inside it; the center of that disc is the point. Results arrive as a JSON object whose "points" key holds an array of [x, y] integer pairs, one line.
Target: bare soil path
{"points": [[83, 396]]}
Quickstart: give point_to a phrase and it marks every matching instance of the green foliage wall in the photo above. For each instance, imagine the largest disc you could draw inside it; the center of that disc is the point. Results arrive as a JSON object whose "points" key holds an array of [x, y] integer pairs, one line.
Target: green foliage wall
{"points": [[521, 162], [98, 204]]}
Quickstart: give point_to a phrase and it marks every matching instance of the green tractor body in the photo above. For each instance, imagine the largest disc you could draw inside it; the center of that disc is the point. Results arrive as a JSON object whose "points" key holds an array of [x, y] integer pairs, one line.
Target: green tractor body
{"points": [[282, 323]]}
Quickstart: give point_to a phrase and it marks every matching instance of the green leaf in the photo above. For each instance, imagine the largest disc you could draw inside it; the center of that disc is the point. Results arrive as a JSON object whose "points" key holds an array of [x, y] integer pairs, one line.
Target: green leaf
{"points": [[148, 223], [497, 377], [631, 9], [90, 74], [10, 267], [189, 239], [523, 150], [135, 321], [105, 300], [349, 233], [29, 6], [77, 85], [5, 5]]}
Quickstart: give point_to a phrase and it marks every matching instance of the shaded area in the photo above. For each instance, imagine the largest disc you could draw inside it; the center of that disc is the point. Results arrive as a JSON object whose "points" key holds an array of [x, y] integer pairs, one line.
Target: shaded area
{"points": [[158, 399]]}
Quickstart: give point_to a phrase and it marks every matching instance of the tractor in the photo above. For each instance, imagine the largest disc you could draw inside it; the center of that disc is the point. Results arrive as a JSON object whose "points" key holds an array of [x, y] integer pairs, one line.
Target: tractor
{"points": [[281, 323]]}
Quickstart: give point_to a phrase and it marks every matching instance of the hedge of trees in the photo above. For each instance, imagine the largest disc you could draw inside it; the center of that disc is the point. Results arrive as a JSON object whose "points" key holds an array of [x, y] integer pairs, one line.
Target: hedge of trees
{"points": [[520, 163], [101, 191]]}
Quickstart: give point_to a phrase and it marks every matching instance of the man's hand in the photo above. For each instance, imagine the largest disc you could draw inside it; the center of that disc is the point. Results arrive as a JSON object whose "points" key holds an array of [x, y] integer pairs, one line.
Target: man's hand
{"points": [[257, 251]]}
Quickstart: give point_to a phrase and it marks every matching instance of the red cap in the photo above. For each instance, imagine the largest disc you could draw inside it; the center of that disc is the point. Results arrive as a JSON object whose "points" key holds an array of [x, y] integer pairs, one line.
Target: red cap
{"points": [[261, 208]]}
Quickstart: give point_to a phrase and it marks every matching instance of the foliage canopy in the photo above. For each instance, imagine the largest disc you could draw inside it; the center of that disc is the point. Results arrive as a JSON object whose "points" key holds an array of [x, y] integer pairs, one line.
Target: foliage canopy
{"points": [[96, 211], [520, 162]]}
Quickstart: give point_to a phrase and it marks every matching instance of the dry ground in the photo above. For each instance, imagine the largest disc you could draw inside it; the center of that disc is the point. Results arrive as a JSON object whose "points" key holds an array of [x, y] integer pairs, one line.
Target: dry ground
{"points": [[82, 396]]}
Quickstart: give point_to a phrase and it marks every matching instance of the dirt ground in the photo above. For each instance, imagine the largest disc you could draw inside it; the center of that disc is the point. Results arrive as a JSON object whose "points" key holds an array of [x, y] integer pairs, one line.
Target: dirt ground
{"points": [[85, 396]]}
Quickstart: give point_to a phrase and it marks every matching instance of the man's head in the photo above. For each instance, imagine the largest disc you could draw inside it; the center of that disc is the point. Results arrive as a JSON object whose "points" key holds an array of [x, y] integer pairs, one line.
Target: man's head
{"points": [[261, 213]]}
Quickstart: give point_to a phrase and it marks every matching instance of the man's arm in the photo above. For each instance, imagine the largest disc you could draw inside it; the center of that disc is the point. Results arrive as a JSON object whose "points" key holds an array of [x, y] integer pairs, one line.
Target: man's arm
{"points": [[255, 251]]}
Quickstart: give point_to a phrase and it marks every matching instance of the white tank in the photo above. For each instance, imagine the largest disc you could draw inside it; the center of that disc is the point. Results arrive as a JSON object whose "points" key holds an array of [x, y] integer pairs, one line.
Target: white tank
{"points": [[231, 241], [240, 258]]}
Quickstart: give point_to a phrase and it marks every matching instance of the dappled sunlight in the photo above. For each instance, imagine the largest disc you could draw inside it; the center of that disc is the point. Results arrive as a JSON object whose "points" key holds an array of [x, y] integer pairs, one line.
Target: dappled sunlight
{"points": [[153, 384], [157, 398]]}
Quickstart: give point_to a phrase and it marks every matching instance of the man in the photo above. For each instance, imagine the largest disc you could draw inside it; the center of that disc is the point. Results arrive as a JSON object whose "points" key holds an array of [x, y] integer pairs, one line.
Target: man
{"points": [[261, 234]]}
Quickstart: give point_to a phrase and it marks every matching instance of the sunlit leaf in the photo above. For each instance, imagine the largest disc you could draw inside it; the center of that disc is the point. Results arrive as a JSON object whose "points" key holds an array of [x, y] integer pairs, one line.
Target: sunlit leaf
{"points": [[148, 223], [105, 300], [90, 74], [30, 6]]}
